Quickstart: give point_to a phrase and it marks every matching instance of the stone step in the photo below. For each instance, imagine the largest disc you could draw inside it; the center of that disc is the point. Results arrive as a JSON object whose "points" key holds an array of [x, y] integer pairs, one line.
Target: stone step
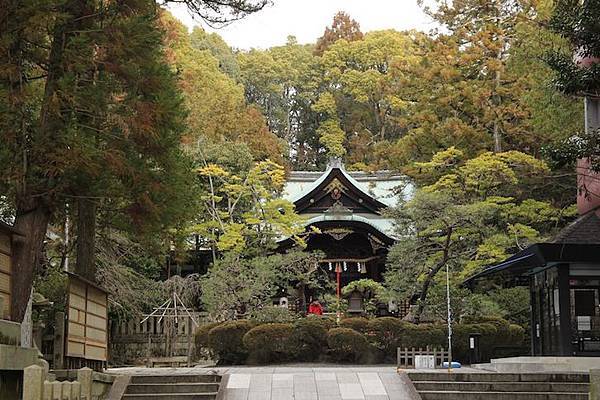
{"points": [[170, 396], [139, 388], [499, 377], [568, 387], [199, 378], [457, 395]]}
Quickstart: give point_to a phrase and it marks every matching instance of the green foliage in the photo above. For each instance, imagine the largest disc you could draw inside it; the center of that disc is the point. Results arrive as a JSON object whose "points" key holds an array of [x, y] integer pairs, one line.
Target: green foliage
{"points": [[359, 324], [366, 287], [243, 208], [226, 341], [471, 213], [309, 337], [386, 333], [52, 284], [272, 314], [235, 287], [577, 22], [424, 335], [269, 343], [317, 338], [347, 345], [201, 346], [372, 292]]}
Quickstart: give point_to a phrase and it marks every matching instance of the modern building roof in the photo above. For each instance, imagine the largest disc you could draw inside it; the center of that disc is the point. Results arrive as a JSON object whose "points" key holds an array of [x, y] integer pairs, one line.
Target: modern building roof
{"points": [[579, 242], [584, 230]]}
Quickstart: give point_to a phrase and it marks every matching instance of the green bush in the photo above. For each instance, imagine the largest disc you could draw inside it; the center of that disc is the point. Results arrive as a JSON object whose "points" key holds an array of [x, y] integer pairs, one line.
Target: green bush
{"points": [[226, 341], [309, 337], [359, 324], [201, 339], [424, 335], [269, 343], [386, 335], [346, 344], [273, 314]]}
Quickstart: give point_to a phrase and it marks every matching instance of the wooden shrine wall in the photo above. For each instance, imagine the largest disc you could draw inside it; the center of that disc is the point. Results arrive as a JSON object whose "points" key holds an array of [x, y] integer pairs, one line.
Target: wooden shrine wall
{"points": [[87, 323], [5, 274]]}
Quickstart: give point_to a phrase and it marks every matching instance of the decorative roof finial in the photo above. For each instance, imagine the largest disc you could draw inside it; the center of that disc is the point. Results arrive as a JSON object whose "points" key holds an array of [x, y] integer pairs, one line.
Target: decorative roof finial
{"points": [[335, 162]]}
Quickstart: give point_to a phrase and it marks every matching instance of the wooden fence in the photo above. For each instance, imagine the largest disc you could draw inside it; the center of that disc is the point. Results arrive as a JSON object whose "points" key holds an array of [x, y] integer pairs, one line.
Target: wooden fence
{"points": [[132, 342], [406, 357]]}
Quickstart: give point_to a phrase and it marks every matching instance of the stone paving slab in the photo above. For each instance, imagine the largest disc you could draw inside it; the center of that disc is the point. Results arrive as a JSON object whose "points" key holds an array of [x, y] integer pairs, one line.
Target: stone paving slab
{"points": [[315, 383]]}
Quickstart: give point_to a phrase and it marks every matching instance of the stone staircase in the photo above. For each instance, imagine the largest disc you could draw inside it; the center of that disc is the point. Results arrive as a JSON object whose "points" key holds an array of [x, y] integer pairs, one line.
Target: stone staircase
{"points": [[500, 386], [172, 387]]}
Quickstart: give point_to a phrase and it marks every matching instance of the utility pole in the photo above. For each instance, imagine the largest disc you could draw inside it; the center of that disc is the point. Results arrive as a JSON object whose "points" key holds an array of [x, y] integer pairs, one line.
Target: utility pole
{"points": [[449, 318]]}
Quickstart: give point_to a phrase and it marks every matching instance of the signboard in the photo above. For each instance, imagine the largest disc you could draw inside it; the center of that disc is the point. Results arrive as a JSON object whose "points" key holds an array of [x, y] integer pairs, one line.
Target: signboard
{"points": [[5, 274], [87, 320], [424, 362]]}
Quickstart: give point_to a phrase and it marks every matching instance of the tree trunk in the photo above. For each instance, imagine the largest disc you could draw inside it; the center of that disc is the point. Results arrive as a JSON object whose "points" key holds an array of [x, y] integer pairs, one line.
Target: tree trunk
{"points": [[34, 204], [431, 275], [425, 290], [86, 235], [31, 220]]}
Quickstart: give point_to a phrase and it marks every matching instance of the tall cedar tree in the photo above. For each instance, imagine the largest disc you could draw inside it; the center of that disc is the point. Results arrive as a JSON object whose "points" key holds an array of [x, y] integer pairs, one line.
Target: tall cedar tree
{"points": [[342, 27], [89, 110]]}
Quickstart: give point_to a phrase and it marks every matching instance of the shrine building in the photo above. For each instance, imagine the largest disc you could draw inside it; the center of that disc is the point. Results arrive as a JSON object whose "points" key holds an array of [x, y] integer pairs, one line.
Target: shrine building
{"points": [[347, 210]]}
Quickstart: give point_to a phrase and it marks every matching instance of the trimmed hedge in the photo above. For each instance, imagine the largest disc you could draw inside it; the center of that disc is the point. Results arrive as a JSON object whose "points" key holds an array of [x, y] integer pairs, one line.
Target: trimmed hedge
{"points": [[346, 344], [375, 340], [201, 338], [359, 324], [226, 341], [386, 334], [269, 343], [309, 338]]}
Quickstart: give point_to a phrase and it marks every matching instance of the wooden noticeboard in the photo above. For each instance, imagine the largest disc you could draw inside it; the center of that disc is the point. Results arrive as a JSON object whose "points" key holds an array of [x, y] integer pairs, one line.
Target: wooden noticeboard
{"points": [[87, 320], [5, 273]]}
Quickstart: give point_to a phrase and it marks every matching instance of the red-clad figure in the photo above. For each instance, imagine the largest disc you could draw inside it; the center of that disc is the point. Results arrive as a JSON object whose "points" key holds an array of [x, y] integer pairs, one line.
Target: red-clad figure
{"points": [[315, 308]]}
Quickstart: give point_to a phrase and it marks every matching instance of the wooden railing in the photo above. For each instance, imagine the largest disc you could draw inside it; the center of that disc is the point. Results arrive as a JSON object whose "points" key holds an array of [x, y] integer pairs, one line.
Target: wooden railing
{"points": [[406, 356]]}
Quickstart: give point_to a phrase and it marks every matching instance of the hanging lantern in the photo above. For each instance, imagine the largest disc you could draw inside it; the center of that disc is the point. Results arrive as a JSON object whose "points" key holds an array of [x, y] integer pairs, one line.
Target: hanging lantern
{"points": [[330, 266], [358, 266], [363, 268], [345, 266]]}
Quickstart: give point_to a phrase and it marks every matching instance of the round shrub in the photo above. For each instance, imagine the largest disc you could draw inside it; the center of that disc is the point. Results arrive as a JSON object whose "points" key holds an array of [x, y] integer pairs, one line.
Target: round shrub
{"points": [[309, 337], [201, 339], [273, 314], [424, 335], [386, 335], [268, 343], [359, 324], [346, 344], [226, 341]]}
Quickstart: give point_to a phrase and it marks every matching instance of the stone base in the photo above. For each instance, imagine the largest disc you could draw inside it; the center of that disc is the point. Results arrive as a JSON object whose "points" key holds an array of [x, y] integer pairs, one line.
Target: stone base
{"points": [[17, 358], [540, 364]]}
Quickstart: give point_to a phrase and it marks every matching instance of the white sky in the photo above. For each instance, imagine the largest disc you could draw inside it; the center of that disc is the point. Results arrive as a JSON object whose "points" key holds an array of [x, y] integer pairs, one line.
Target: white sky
{"points": [[307, 19]]}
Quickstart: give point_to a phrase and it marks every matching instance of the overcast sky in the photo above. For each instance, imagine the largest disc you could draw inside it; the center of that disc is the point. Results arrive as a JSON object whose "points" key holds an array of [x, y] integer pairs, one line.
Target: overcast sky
{"points": [[306, 19]]}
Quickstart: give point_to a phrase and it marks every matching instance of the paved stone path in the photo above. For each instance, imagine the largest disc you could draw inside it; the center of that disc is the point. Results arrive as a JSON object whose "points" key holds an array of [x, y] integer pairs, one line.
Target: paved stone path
{"points": [[316, 383]]}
